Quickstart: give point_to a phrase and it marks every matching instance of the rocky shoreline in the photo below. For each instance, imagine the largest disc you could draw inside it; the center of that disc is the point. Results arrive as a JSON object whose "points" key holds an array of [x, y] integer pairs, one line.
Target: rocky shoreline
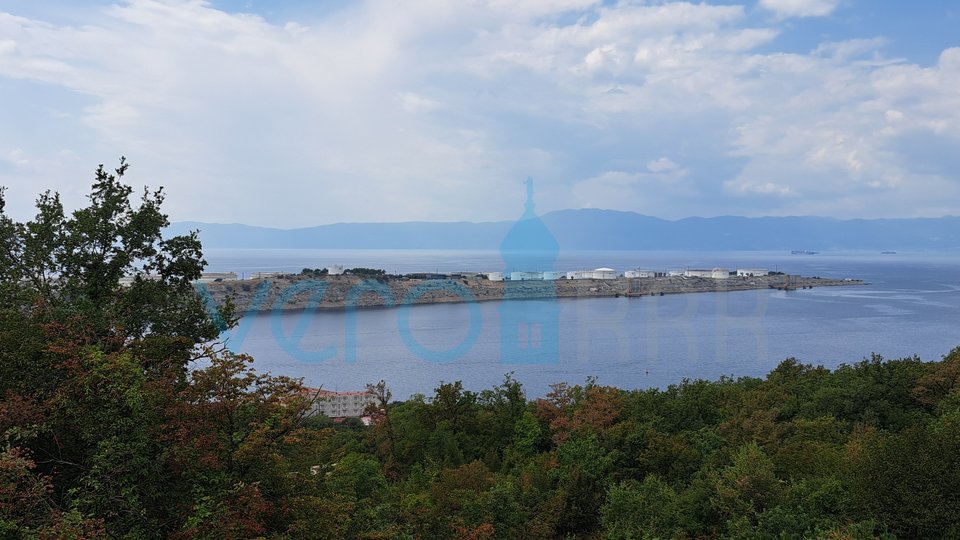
{"points": [[298, 292]]}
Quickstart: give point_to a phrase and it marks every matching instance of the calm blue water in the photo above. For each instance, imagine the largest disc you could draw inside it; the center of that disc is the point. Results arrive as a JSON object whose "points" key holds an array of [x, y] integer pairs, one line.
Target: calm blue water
{"points": [[910, 306]]}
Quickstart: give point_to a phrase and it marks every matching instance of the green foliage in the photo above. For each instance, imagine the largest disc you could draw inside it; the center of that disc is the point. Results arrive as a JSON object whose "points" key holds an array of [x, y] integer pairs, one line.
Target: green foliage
{"points": [[872, 392], [366, 272], [909, 479], [71, 265], [650, 509], [748, 486]]}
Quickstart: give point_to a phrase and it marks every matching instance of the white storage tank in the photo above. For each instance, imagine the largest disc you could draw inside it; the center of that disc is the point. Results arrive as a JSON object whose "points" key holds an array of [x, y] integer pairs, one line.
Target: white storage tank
{"points": [[638, 273], [525, 276], [604, 273], [495, 276], [720, 273], [209, 277]]}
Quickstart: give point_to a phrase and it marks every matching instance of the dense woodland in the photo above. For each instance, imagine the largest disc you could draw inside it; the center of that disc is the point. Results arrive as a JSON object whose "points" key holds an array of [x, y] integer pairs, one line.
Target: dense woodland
{"points": [[122, 417]]}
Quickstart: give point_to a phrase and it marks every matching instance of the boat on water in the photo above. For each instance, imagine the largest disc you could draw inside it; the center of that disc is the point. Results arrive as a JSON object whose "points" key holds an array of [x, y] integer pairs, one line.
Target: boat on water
{"points": [[803, 252]]}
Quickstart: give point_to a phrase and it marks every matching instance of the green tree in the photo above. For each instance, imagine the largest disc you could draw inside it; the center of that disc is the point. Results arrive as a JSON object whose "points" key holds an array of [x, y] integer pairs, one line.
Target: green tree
{"points": [[88, 366], [61, 283], [229, 436], [909, 480], [748, 485], [582, 467], [640, 510]]}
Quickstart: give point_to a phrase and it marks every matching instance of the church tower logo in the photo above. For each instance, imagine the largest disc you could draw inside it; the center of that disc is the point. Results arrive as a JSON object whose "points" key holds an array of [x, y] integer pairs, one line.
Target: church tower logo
{"points": [[529, 314]]}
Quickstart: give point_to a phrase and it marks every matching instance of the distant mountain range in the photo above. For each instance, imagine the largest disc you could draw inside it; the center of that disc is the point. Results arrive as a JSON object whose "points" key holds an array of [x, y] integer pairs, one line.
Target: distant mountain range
{"points": [[606, 230]]}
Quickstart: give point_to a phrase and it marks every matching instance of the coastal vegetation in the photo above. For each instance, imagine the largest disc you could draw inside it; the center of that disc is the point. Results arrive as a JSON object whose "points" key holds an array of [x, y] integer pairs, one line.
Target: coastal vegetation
{"points": [[365, 272], [122, 417]]}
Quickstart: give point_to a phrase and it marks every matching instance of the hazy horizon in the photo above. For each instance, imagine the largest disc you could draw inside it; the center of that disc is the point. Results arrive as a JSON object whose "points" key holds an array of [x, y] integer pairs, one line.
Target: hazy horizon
{"points": [[508, 220], [602, 229]]}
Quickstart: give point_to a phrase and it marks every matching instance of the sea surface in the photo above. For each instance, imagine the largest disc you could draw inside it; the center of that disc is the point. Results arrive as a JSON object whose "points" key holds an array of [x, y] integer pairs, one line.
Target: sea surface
{"points": [[911, 306]]}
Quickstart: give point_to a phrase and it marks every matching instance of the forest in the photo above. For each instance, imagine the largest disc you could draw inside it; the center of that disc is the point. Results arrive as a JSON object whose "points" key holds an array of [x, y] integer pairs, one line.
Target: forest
{"points": [[122, 416]]}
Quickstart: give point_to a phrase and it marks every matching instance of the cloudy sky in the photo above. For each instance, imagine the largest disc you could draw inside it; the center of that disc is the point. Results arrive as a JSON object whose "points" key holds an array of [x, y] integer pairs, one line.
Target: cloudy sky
{"points": [[283, 113]]}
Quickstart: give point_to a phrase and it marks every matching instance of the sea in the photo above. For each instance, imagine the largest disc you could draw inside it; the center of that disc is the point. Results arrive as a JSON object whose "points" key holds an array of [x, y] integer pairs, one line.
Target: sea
{"points": [[909, 306]]}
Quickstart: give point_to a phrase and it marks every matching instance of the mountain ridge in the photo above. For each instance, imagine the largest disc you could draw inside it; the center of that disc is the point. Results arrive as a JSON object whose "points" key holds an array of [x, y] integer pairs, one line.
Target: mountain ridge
{"points": [[580, 229]]}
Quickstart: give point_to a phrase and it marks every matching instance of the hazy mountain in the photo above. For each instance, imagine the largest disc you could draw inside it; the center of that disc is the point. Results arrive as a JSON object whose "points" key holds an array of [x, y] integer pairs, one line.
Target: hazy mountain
{"points": [[606, 229]]}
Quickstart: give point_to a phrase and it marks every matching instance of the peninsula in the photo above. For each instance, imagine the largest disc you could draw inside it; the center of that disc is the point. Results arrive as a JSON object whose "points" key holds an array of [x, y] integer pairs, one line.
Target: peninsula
{"points": [[301, 291]]}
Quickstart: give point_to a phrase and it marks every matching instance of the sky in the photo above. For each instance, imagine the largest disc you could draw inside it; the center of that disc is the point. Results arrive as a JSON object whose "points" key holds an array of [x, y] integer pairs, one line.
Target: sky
{"points": [[292, 113]]}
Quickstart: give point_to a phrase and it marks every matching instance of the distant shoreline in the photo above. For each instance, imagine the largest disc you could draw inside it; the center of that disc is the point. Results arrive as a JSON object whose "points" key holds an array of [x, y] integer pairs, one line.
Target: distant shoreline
{"points": [[293, 293]]}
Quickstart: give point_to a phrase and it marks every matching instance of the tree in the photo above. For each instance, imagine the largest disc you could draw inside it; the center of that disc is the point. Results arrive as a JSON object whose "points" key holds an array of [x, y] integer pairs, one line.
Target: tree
{"points": [[228, 437], [909, 480], [582, 466], [640, 510], [748, 485], [88, 366], [63, 274], [382, 435]]}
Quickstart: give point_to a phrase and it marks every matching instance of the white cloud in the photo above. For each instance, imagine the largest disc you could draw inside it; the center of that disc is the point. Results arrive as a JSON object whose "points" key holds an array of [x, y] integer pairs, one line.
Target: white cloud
{"points": [[437, 110], [844, 50], [800, 8], [16, 157], [645, 192], [752, 187], [661, 165], [415, 103], [538, 8]]}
